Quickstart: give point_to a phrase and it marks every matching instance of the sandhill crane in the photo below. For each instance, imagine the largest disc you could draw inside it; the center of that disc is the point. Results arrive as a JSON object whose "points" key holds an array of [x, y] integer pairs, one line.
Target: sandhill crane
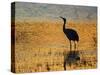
{"points": [[71, 34]]}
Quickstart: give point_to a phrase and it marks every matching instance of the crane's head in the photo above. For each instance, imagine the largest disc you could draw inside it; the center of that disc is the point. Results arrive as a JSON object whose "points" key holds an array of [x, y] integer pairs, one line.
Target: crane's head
{"points": [[63, 18]]}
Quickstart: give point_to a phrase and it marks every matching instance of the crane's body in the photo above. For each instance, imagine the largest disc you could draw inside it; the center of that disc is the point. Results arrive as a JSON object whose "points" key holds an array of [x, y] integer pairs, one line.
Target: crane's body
{"points": [[71, 34]]}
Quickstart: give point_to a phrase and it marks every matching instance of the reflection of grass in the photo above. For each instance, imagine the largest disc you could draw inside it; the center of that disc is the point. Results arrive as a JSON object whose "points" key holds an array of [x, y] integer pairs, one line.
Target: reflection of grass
{"points": [[40, 46]]}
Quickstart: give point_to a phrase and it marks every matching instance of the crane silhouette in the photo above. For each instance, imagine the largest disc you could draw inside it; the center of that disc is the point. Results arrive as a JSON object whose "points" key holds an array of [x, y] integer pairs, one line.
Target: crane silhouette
{"points": [[72, 35]]}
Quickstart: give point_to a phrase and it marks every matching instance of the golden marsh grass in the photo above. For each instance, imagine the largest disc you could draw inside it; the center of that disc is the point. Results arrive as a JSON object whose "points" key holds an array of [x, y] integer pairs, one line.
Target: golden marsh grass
{"points": [[40, 45]]}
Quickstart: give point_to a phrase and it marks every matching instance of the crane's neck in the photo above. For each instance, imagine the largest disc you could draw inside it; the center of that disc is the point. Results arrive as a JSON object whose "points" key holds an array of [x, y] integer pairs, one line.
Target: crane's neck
{"points": [[64, 25]]}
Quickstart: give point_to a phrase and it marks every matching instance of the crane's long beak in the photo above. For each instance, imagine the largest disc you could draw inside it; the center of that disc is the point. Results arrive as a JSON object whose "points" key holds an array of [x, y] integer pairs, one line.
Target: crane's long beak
{"points": [[62, 17]]}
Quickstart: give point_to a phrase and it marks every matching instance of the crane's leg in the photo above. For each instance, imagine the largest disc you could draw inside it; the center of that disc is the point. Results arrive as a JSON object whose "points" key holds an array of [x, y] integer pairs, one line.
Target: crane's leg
{"points": [[70, 46], [75, 46]]}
